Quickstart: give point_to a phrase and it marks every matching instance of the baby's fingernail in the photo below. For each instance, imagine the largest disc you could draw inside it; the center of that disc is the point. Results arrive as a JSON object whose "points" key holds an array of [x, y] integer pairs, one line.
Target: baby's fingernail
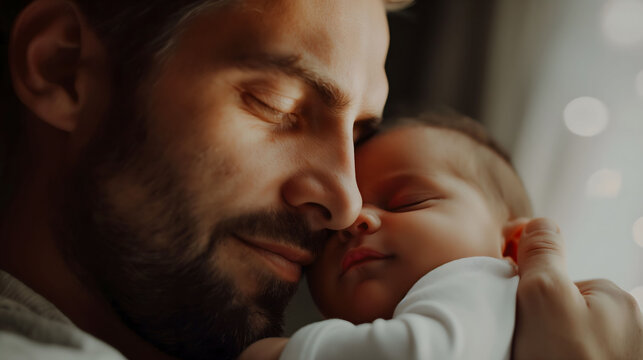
{"points": [[541, 224]]}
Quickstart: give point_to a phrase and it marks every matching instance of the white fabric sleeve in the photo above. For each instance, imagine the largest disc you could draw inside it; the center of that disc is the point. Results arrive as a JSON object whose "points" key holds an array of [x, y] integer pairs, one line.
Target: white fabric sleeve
{"points": [[464, 309], [16, 347]]}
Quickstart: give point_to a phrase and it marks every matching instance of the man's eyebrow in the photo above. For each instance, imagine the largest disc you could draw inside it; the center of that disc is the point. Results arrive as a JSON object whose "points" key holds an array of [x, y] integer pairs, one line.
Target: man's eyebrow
{"points": [[332, 96]]}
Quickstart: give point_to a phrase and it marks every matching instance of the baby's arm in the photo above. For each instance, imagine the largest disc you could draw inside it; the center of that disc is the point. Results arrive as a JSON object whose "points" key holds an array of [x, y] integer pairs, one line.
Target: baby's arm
{"points": [[462, 310], [264, 349]]}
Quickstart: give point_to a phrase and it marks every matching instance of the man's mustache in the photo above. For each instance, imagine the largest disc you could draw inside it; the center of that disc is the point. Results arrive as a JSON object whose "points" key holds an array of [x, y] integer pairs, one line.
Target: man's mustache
{"points": [[281, 226]]}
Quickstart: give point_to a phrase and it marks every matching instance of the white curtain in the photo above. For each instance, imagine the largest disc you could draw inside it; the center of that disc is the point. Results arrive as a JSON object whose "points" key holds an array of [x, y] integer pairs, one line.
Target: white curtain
{"points": [[544, 55]]}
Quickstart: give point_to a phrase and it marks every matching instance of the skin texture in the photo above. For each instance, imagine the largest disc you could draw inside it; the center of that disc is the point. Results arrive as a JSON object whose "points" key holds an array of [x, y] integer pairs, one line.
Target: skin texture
{"points": [[417, 212], [191, 153], [187, 212], [556, 319]]}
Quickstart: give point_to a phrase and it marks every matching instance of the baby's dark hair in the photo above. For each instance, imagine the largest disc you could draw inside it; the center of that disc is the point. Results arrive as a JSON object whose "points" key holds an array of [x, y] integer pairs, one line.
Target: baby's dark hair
{"points": [[487, 165]]}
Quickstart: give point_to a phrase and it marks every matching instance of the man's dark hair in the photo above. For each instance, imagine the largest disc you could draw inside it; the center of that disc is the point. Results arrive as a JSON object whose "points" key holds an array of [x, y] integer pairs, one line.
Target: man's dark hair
{"points": [[9, 105], [133, 32], [135, 35]]}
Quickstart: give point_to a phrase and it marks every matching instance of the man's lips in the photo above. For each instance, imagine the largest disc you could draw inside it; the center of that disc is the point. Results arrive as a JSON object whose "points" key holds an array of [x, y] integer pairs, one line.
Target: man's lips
{"points": [[360, 255], [285, 260]]}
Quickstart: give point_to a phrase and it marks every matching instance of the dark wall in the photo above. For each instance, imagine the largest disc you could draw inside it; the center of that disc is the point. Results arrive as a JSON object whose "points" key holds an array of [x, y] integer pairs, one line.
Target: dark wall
{"points": [[437, 56]]}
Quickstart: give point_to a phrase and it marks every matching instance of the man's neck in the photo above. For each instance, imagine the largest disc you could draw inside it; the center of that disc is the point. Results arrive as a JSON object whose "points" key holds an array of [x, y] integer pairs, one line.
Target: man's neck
{"points": [[29, 253]]}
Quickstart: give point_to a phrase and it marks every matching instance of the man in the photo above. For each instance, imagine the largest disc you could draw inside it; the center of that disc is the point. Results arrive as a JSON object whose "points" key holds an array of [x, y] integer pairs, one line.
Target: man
{"points": [[179, 162]]}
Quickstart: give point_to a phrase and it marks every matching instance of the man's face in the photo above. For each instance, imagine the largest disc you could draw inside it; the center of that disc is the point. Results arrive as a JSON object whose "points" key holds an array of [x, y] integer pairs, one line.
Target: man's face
{"points": [[194, 214]]}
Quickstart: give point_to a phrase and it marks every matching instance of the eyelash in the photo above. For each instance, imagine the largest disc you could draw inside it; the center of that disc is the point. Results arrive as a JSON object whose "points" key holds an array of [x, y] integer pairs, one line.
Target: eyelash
{"points": [[409, 206], [269, 113], [363, 131]]}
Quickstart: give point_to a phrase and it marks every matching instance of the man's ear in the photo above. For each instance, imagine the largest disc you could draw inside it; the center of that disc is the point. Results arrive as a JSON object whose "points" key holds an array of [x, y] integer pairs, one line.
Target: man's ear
{"points": [[511, 234], [54, 58]]}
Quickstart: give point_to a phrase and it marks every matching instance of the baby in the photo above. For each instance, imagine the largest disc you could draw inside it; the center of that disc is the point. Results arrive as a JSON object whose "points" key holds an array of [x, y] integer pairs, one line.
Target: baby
{"points": [[426, 271]]}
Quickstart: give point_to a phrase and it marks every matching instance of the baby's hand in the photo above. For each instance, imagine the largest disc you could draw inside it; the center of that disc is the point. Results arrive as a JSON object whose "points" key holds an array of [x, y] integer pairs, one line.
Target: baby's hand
{"points": [[264, 349], [512, 232]]}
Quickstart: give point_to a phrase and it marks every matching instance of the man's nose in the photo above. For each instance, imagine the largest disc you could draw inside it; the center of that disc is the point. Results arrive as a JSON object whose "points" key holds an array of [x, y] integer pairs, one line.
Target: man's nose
{"points": [[367, 222], [324, 189]]}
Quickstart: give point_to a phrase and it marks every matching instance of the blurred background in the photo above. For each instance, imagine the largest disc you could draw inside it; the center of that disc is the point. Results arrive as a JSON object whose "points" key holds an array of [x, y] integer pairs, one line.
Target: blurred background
{"points": [[560, 84]]}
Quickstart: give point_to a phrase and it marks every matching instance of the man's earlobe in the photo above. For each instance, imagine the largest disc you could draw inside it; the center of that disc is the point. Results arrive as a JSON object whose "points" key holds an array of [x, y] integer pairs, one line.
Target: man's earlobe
{"points": [[47, 58]]}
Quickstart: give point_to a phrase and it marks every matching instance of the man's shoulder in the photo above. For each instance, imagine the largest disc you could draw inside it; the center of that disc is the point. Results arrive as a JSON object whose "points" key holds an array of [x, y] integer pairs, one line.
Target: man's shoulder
{"points": [[32, 328], [14, 346]]}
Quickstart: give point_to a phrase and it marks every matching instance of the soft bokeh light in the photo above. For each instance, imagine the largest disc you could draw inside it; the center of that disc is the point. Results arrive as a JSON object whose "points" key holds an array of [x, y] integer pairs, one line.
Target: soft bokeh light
{"points": [[623, 22], [569, 56], [586, 116], [637, 231], [639, 84], [637, 292], [604, 183]]}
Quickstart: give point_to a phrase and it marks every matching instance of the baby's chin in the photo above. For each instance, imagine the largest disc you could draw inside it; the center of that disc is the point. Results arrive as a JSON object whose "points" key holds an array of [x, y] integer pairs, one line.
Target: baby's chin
{"points": [[358, 316], [362, 308]]}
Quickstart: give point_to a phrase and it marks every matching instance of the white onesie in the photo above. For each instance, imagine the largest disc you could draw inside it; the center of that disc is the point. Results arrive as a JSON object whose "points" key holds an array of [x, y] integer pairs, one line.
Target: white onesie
{"points": [[464, 309]]}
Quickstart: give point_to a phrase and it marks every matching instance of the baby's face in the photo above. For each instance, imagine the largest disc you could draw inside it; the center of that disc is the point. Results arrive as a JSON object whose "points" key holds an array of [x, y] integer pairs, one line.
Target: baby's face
{"points": [[417, 215]]}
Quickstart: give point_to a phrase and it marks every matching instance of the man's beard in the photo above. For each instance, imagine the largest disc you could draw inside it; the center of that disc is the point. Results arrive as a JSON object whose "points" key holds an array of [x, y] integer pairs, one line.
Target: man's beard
{"points": [[146, 262]]}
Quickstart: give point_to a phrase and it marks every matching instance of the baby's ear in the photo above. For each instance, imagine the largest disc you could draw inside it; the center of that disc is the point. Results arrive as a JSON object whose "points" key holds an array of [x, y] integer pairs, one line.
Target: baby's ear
{"points": [[511, 233]]}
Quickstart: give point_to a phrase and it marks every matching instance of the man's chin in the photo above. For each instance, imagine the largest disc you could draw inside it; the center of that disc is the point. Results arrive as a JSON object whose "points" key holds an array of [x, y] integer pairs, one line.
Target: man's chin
{"points": [[217, 323]]}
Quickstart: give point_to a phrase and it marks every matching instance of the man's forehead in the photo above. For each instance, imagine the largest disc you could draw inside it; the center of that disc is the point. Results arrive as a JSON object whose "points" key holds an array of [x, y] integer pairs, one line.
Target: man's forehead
{"points": [[337, 47], [334, 32]]}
